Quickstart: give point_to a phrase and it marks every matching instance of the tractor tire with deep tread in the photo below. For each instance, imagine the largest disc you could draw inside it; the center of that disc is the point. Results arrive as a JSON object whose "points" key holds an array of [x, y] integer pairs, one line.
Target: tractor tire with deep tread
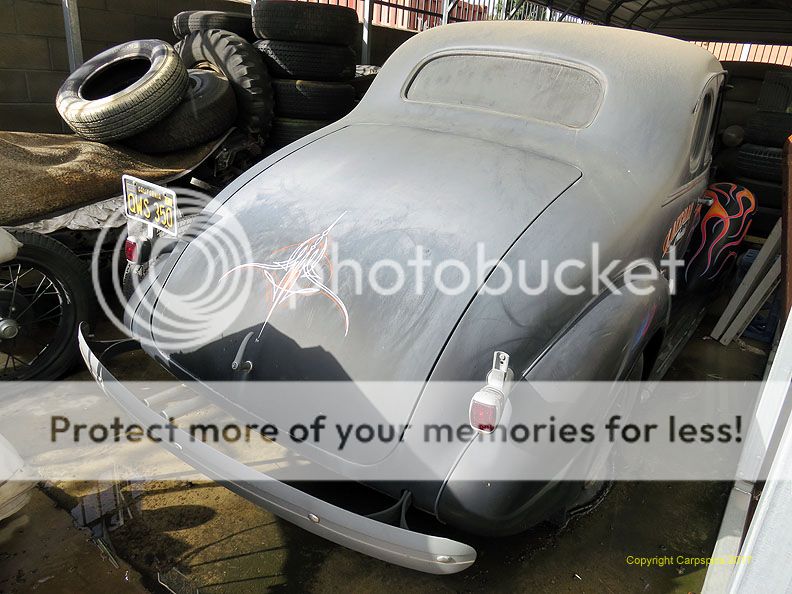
{"points": [[123, 90], [244, 68], [208, 110], [72, 280], [304, 21], [287, 130], [309, 61], [192, 21], [312, 100], [760, 162]]}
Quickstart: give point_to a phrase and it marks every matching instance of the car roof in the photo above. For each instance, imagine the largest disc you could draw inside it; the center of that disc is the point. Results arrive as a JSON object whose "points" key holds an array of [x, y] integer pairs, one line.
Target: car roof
{"points": [[651, 86]]}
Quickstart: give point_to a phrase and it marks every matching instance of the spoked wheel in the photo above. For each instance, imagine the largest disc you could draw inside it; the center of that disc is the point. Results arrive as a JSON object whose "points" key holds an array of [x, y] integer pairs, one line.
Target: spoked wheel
{"points": [[45, 292]]}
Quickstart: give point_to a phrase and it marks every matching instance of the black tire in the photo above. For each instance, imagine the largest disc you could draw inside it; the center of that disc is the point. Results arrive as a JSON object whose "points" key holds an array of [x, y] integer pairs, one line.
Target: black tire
{"points": [[764, 220], [768, 194], [71, 287], [304, 21], [123, 90], [287, 130], [192, 21], [207, 111], [745, 90], [726, 162], [244, 68], [769, 129], [135, 275], [312, 100], [735, 113], [310, 61], [760, 162], [776, 93]]}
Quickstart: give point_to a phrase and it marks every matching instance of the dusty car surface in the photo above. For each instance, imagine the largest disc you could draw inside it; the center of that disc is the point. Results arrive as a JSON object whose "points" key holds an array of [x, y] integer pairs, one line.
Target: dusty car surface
{"points": [[533, 140]]}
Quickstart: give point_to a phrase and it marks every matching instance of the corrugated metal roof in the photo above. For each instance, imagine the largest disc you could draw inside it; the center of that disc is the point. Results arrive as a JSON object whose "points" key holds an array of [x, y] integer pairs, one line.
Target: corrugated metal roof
{"points": [[756, 21]]}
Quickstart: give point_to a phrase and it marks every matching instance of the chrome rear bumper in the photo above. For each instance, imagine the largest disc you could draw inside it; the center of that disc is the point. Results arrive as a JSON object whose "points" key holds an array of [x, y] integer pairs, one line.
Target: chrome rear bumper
{"points": [[430, 554]]}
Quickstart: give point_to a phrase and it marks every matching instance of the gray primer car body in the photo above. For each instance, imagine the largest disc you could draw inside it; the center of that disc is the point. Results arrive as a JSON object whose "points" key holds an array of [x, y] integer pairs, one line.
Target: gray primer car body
{"points": [[533, 139]]}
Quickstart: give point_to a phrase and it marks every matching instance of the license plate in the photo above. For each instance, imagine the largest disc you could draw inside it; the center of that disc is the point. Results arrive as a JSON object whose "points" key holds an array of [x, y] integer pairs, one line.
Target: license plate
{"points": [[150, 203]]}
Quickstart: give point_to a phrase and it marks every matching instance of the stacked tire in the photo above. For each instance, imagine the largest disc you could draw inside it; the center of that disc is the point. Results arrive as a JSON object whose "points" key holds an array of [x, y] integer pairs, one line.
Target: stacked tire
{"points": [[158, 98], [759, 158], [307, 48]]}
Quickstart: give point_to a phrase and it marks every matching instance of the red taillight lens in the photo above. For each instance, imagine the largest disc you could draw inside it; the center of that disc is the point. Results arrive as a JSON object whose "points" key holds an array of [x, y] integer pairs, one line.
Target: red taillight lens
{"points": [[483, 417], [131, 250], [137, 250]]}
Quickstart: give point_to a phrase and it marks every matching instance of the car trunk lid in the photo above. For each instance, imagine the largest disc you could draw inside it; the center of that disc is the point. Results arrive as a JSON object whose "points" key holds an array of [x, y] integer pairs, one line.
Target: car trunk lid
{"points": [[384, 196]]}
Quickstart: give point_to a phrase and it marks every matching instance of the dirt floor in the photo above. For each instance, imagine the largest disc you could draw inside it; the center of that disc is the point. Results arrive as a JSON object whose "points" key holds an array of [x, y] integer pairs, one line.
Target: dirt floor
{"points": [[201, 536], [41, 550]]}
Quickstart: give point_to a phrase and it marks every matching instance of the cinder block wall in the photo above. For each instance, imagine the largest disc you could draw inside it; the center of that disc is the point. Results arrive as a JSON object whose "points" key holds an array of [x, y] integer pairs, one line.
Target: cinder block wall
{"points": [[33, 59]]}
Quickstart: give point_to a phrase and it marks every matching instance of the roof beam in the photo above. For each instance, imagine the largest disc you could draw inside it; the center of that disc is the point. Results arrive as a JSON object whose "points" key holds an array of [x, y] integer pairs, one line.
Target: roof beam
{"points": [[637, 13], [566, 12], [767, 4], [690, 13], [613, 7], [672, 5]]}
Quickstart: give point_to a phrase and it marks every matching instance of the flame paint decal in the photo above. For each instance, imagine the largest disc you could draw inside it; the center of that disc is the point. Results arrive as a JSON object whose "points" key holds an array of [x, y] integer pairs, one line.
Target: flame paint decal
{"points": [[720, 231], [300, 273]]}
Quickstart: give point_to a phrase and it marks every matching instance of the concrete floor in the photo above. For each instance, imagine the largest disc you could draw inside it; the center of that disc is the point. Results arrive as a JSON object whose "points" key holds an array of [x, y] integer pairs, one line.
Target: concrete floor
{"points": [[200, 535]]}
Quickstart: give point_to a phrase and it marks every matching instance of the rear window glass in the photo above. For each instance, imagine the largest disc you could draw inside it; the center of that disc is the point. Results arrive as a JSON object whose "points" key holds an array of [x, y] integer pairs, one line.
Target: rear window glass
{"points": [[520, 86]]}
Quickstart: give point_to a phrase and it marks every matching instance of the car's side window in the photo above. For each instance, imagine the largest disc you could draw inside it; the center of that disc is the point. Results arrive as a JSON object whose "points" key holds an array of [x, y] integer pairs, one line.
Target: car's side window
{"points": [[703, 133]]}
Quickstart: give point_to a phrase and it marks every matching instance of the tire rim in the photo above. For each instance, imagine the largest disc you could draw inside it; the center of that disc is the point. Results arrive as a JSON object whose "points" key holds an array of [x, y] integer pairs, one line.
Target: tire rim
{"points": [[31, 316], [206, 65]]}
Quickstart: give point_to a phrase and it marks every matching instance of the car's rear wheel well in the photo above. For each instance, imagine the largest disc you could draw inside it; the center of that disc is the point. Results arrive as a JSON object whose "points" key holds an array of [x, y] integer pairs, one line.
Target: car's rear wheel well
{"points": [[651, 352]]}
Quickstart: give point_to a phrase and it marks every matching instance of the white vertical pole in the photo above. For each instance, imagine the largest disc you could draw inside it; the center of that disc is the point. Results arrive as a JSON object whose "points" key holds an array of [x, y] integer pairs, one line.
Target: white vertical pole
{"points": [[368, 16], [71, 22], [446, 10]]}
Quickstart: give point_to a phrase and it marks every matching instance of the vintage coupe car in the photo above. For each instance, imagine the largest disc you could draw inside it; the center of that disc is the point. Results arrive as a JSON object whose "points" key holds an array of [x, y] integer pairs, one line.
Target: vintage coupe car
{"points": [[531, 139]]}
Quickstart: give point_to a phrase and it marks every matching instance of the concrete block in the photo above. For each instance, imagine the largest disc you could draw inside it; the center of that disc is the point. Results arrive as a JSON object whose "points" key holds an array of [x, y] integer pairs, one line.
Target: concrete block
{"points": [[144, 7], [82, 3], [59, 59], [102, 25], [149, 27], [23, 52], [43, 86], [7, 20], [13, 88], [227, 5], [36, 18], [169, 8]]}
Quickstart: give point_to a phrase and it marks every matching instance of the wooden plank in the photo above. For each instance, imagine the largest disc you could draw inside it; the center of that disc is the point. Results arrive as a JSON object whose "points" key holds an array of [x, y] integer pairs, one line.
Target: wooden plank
{"points": [[764, 260], [753, 304]]}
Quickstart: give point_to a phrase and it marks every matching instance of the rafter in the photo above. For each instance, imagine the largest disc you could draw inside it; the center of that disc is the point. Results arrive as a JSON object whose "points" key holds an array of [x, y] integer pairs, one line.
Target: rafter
{"points": [[671, 5], [637, 14], [697, 12]]}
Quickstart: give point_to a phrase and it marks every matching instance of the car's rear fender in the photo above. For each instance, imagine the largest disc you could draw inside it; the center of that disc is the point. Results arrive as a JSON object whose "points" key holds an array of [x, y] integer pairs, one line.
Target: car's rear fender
{"points": [[601, 344]]}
